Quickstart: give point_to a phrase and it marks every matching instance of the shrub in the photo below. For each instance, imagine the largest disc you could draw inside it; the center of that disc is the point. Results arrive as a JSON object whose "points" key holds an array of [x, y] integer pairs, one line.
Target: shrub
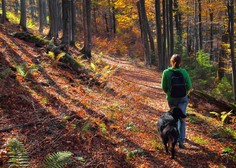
{"points": [[223, 90], [201, 71]]}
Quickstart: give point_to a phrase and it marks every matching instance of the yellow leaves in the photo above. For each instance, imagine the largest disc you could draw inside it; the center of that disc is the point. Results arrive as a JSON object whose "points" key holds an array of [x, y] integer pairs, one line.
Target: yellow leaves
{"points": [[51, 55], [223, 116], [60, 56], [101, 73], [114, 126], [125, 21], [94, 68]]}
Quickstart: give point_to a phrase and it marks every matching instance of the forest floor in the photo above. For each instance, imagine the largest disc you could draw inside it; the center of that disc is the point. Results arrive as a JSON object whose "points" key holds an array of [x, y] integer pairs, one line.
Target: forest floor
{"points": [[53, 109]]}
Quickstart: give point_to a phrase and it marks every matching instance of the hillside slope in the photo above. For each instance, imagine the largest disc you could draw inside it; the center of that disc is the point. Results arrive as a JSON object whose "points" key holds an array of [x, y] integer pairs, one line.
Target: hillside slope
{"points": [[111, 126]]}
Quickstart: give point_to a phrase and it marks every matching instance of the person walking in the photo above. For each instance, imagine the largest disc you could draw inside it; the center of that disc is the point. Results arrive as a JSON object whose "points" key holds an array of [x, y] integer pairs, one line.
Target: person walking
{"points": [[176, 83]]}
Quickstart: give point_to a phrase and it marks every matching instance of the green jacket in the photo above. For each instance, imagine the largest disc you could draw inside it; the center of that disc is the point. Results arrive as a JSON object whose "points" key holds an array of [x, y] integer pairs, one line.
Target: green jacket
{"points": [[166, 81]]}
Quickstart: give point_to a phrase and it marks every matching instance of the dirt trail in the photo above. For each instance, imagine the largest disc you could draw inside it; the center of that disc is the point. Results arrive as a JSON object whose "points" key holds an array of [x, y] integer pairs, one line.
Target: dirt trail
{"points": [[202, 149], [124, 112]]}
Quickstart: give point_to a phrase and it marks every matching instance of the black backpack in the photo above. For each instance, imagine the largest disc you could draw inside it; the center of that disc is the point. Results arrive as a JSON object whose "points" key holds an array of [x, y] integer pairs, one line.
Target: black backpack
{"points": [[178, 87]]}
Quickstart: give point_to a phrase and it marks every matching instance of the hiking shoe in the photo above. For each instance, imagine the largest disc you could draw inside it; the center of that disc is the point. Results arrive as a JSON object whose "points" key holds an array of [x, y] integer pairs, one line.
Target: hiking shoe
{"points": [[181, 146]]}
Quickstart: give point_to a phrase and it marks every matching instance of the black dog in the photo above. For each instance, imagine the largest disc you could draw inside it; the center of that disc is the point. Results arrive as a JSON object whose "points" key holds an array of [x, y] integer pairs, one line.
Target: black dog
{"points": [[167, 126]]}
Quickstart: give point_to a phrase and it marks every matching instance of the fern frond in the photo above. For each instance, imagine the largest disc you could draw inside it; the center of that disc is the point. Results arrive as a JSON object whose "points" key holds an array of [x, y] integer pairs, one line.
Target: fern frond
{"points": [[57, 159], [21, 69], [17, 154]]}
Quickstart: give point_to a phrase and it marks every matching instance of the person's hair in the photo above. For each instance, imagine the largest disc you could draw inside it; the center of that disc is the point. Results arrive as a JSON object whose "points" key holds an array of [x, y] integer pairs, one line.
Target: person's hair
{"points": [[175, 60]]}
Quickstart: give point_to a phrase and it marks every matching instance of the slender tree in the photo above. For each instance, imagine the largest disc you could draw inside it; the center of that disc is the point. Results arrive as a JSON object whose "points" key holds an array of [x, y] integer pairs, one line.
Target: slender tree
{"points": [[66, 17], [54, 18], [144, 29], [113, 18], [211, 32], [86, 50], [231, 39], [73, 22], [42, 14], [32, 9], [222, 56], [178, 25], [159, 36], [110, 18], [3, 11], [177, 17], [171, 27], [189, 38], [167, 18], [16, 7], [200, 23], [165, 60], [23, 15], [196, 46]]}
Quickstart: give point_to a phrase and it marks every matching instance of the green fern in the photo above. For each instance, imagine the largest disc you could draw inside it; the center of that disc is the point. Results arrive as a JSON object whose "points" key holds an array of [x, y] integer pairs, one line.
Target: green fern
{"points": [[23, 70], [57, 159], [17, 154]]}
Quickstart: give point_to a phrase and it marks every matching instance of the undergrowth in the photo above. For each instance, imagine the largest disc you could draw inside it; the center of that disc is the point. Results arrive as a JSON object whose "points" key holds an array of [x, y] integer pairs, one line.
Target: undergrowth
{"points": [[15, 19], [203, 74], [18, 157]]}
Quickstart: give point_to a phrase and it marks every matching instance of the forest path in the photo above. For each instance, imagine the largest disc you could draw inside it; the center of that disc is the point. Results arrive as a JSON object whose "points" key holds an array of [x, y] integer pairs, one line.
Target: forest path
{"points": [[127, 108], [203, 150], [147, 80]]}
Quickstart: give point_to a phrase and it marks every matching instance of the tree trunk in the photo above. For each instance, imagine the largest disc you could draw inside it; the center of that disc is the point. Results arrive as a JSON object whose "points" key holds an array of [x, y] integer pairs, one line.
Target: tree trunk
{"points": [[73, 22], [200, 23], [54, 10], [196, 96], [46, 12], [110, 18], [159, 38], [66, 17], [222, 57], [23, 15], [114, 19], [189, 39], [196, 46], [95, 18], [171, 28], [3, 11], [16, 6], [231, 39], [151, 41], [87, 29], [167, 31], [42, 15], [144, 29], [211, 35], [32, 10], [165, 60], [178, 24]]}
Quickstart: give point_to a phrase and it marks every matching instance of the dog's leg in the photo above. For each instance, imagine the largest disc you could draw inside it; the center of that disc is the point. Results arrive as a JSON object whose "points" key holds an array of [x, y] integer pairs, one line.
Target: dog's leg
{"points": [[173, 150], [165, 142], [166, 147]]}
